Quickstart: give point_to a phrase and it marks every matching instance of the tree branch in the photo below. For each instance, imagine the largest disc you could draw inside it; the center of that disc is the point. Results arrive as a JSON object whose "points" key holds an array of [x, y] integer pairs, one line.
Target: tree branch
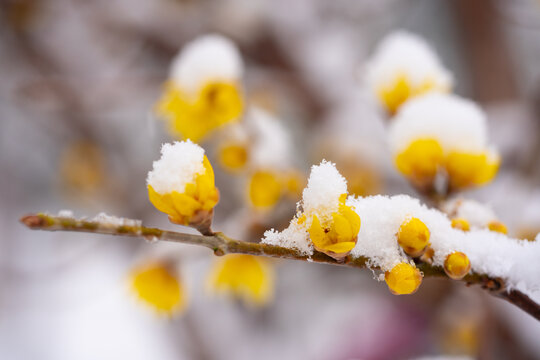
{"points": [[221, 245]]}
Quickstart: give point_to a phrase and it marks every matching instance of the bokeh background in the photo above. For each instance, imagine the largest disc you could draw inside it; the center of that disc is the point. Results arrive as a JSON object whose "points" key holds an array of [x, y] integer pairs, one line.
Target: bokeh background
{"points": [[78, 82]]}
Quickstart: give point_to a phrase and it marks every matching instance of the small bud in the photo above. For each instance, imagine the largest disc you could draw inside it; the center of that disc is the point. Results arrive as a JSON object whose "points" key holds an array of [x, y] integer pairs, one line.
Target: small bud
{"points": [[461, 224], [427, 256], [413, 237], [158, 286], [403, 279], [233, 156], [457, 265], [245, 277], [265, 189], [498, 226]]}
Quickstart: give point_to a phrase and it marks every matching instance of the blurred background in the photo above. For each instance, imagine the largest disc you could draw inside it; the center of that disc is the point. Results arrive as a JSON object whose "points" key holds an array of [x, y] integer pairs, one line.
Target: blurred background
{"points": [[79, 80]]}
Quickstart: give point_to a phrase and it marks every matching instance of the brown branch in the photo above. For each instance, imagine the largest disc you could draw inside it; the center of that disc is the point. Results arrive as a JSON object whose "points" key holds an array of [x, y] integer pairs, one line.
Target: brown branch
{"points": [[221, 245]]}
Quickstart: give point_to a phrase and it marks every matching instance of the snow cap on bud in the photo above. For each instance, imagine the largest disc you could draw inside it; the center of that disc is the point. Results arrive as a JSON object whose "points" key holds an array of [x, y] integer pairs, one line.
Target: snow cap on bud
{"points": [[403, 279], [457, 265], [181, 184], [204, 89], [404, 66]]}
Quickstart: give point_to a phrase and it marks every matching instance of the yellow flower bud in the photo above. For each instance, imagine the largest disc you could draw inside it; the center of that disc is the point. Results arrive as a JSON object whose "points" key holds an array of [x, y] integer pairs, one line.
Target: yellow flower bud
{"points": [[194, 205], [461, 224], [264, 189], [193, 116], [498, 226], [248, 278], [413, 237], [420, 161], [233, 156], [466, 170], [158, 286], [338, 236], [403, 279], [457, 265]]}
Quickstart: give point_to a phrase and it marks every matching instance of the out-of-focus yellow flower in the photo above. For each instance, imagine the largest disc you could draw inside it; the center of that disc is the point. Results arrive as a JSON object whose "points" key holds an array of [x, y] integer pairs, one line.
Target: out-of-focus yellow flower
{"points": [[457, 265], [82, 166], [337, 236], [413, 237], [461, 224], [158, 286], [233, 156], [393, 95], [248, 278], [498, 226], [193, 117], [420, 161], [294, 184], [466, 169], [403, 279], [197, 200], [265, 189]]}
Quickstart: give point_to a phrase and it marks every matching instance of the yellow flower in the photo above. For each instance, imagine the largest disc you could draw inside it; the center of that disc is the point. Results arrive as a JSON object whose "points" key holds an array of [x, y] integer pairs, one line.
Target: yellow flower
{"points": [[461, 224], [498, 226], [159, 287], [195, 116], [396, 93], [413, 237], [420, 161], [246, 277], [265, 189], [457, 265], [196, 203], [403, 279], [338, 236], [466, 169], [233, 156]]}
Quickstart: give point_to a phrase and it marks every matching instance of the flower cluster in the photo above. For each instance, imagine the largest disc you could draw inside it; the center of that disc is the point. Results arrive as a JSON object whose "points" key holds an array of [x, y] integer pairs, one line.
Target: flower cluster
{"points": [[440, 134], [204, 90]]}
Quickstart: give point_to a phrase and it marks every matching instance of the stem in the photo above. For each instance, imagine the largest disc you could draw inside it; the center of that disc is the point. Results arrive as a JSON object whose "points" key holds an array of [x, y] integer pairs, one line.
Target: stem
{"points": [[220, 244]]}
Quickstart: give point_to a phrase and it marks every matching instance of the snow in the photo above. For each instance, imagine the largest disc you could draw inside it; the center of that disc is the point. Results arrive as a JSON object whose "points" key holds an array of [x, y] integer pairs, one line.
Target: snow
{"points": [[477, 214], [458, 124], [405, 53], [205, 59], [111, 220], [325, 186], [178, 166], [272, 144]]}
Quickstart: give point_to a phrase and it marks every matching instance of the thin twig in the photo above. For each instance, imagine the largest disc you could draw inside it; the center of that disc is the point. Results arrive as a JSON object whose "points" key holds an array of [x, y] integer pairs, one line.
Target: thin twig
{"points": [[221, 245]]}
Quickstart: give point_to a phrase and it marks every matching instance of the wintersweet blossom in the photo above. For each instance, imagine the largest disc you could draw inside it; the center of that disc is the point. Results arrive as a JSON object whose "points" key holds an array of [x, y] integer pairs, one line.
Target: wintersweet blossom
{"points": [[442, 134], [204, 90], [248, 278], [181, 184], [158, 286], [326, 223], [404, 66]]}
